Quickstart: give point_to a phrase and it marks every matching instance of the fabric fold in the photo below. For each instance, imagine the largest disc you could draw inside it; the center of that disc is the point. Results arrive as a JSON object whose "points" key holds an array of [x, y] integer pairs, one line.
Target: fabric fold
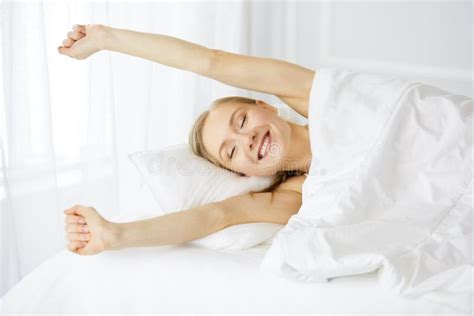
{"points": [[389, 188]]}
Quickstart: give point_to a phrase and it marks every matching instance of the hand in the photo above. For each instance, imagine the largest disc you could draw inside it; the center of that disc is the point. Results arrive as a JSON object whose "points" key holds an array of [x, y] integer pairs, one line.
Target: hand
{"points": [[83, 41], [88, 232]]}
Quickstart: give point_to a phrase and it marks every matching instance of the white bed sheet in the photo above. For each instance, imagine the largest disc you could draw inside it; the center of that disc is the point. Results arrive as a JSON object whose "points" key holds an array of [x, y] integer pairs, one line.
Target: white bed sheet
{"points": [[188, 278]]}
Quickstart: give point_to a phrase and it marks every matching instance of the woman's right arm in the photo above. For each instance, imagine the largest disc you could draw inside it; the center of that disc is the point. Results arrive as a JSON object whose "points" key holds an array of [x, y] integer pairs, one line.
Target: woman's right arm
{"points": [[96, 234], [179, 227], [169, 229]]}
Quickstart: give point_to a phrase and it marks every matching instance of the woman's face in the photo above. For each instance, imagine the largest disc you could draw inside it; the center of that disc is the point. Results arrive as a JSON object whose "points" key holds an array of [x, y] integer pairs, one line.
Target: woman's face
{"points": [[238, 134]]}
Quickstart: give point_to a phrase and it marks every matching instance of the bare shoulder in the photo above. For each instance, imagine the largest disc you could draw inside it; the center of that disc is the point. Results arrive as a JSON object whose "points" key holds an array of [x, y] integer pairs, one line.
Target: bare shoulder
{"points": [[293, 184]]}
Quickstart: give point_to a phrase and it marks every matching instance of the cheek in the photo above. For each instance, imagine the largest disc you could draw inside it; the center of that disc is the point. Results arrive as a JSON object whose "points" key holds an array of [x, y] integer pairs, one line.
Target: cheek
{"points": [[241, 164], [281, 134], [264, 118]]}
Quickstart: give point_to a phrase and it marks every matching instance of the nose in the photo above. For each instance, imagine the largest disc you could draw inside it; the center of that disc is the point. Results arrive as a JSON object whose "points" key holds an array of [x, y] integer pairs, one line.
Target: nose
{"points": [[248, 140], [252, 138]]}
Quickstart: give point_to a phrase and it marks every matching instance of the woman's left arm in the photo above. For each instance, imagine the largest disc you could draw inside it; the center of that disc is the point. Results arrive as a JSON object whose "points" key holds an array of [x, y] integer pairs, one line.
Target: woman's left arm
{"points": [[289, 82]]}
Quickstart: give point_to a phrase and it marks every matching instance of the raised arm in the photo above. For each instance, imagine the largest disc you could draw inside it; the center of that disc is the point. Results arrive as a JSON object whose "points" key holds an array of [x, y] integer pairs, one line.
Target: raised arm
{"points": [[85, 40], [289, 82], [163, 49]]}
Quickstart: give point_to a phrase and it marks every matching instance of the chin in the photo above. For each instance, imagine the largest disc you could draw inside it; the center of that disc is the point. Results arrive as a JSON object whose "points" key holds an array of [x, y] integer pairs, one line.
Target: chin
{"points": [[269, 169], [264, 173]]}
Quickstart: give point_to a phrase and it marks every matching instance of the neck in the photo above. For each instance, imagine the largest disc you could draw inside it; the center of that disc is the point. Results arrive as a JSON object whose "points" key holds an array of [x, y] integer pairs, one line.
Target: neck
{"points": [[299, 154]]}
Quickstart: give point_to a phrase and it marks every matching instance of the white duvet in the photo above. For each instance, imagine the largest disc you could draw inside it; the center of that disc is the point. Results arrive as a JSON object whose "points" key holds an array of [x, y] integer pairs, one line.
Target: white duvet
{"points": [[390, 188]]}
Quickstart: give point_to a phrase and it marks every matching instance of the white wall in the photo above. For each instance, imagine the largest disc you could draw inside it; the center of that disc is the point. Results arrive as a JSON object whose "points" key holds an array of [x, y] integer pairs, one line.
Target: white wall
{"points": [[425, 41]]}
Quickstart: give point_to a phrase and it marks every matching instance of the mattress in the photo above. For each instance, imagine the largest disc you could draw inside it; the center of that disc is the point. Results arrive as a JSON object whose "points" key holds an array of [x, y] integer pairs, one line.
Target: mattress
{"points": [[188, 278]]}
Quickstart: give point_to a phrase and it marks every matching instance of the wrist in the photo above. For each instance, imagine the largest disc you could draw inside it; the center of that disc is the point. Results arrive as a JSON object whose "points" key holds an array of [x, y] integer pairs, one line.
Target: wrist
{"points": [[106, 37], [112, 236]]}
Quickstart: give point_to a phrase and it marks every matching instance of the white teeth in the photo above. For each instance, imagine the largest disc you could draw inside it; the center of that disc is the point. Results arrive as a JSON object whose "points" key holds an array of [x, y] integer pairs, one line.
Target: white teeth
{"points": [[264, 146]]}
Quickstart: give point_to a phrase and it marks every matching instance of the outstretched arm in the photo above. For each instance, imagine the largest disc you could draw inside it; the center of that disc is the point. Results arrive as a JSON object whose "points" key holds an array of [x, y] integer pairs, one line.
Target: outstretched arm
{"points": [[163, 49], [289, 82], [95, 234], [89, 233], [85, 40]]}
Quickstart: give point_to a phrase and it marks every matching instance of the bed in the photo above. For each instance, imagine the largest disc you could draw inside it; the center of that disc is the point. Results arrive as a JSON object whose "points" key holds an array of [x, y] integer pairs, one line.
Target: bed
{"points": [[397, 214], [189, 278]]}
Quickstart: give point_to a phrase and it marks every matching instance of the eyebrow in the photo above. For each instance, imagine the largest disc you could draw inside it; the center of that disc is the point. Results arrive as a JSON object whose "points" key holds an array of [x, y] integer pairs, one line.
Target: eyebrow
{"points": [[231, 123]]}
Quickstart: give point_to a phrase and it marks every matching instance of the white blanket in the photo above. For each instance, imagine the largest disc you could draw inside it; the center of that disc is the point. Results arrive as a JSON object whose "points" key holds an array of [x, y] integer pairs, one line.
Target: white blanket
{"points": [[189, 279], [389, 188]]}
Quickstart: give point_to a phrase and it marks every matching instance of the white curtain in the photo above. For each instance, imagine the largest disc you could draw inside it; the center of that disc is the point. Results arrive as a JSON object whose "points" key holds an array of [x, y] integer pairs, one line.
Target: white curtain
{"points": [[66, 125]]}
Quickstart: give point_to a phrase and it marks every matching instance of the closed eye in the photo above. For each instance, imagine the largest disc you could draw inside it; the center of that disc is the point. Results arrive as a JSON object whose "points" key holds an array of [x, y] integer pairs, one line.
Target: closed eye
{"points": [[245, 118], [241, 125]]}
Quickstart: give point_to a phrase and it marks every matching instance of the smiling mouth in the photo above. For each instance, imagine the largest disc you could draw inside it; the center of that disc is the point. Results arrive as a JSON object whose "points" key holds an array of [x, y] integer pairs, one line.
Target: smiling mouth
{"points": [[264, 146]]}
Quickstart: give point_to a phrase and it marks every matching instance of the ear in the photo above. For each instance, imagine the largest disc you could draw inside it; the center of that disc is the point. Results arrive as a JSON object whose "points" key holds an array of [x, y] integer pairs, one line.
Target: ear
{"points": [[267, 106]]}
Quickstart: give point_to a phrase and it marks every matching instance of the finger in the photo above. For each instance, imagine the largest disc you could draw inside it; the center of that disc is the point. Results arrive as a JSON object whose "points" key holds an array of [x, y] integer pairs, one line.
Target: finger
{"points": [[84, 211], [72, 210], [63, 50], [78, 236], [75, 219], [74, 246], [66, 51], [81, 210], [75, 228], [68, 42], [79, 28], [77, 246], [75, 35]]}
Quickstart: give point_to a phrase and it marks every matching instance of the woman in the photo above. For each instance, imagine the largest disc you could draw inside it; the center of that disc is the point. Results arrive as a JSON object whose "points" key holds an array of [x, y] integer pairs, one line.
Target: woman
{"points": [[252, 140]]}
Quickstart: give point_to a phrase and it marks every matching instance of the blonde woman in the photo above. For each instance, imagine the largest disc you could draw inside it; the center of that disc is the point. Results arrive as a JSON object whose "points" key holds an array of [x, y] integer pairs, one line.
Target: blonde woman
{"points": [[247, 130]]}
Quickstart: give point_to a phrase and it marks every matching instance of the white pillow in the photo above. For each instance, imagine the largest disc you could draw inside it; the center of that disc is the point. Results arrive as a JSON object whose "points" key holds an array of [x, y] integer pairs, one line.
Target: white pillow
{"points": [[180, 180]]}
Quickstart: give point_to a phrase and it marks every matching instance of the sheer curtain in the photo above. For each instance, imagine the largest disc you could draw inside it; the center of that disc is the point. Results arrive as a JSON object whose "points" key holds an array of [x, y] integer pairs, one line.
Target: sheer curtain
{"points": [[67, 125]]}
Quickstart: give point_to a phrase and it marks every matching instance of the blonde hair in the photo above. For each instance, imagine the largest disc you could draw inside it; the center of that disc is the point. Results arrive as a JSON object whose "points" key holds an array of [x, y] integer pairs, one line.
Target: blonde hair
{"points": [[197, 144]]}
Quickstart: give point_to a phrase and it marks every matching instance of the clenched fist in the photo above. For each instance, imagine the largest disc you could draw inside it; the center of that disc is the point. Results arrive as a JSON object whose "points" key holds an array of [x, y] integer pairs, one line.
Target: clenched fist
{"points": [[87, 231], [83, 41]]}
